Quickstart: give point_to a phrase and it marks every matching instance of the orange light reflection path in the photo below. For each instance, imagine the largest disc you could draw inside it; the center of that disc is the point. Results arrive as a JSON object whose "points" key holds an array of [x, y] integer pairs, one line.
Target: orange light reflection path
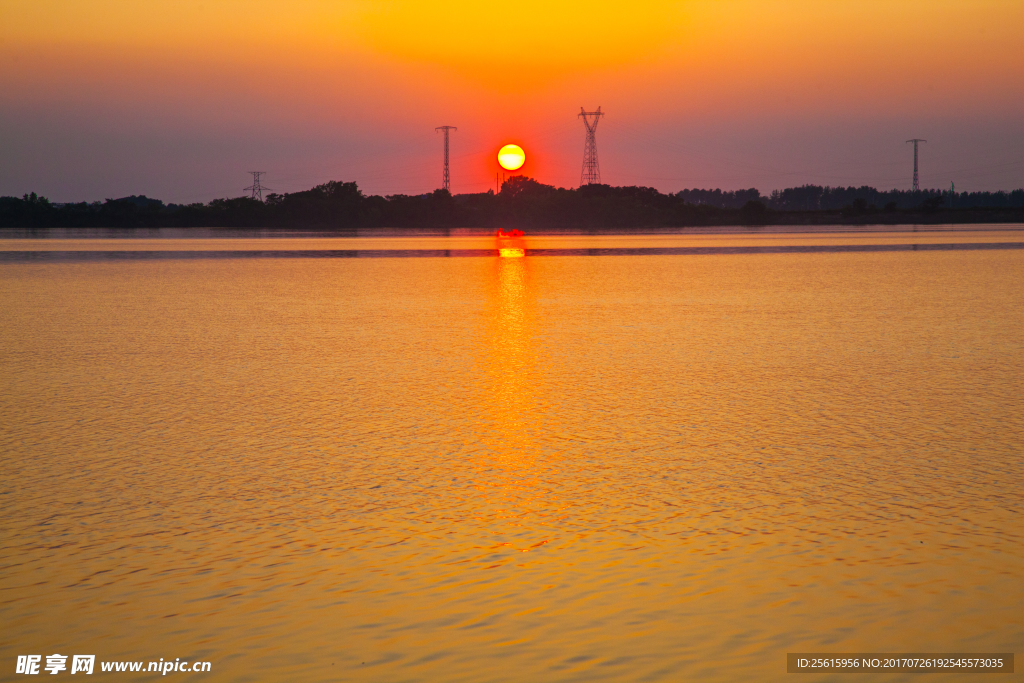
{"points": [[514, 425]]}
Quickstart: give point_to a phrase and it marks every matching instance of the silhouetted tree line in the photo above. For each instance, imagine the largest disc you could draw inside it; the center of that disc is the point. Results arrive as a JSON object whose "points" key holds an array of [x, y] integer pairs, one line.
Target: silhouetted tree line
{"points": [[817, 198], [522, 202], [720, 199]]}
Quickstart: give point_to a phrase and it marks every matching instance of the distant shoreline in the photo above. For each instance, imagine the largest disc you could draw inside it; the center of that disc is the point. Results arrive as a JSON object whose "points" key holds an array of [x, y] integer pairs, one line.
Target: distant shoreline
{"points": [[341, 208], [241, 232]]}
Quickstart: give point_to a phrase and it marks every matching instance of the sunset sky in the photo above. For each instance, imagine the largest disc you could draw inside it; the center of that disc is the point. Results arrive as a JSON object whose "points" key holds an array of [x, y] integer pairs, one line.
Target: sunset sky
{"points": [[178, 99]]}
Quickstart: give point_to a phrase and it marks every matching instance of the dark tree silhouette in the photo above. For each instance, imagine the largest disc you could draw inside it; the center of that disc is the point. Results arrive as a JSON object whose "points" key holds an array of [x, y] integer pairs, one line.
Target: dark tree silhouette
{"points": [[524, 203]]}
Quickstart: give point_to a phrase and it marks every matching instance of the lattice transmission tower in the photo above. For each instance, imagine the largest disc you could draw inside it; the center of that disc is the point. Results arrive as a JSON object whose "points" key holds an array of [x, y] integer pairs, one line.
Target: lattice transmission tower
{"points": [[256, 188], [446, 181], [591, 174], [917, 184]]}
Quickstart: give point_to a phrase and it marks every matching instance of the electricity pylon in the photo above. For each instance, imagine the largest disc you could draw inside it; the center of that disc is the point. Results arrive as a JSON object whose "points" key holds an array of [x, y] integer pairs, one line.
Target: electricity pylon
{"points": [[256, 188], [446, 181], [917, 185], [591, 174]]}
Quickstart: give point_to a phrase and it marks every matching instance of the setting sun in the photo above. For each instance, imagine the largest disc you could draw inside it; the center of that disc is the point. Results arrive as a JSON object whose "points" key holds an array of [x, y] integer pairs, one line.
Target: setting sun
{"points": [[511, 157]]}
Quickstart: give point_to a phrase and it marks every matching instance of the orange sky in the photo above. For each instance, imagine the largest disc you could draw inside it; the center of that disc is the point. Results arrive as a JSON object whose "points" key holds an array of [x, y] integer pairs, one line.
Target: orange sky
{"points": [[178, 99]]}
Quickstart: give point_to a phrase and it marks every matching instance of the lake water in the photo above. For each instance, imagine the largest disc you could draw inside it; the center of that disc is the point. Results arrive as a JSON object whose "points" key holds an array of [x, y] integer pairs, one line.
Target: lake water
{"points": [[678, 458]]}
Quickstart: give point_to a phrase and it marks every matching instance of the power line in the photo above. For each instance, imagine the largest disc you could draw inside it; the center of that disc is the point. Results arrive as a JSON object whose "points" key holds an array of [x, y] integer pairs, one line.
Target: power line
{"points": [[917, 184], [591, 174], [446, 181], [256, 188]]}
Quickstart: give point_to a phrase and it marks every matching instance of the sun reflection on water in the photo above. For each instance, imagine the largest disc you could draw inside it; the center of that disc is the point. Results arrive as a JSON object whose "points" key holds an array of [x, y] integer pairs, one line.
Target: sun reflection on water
{"points": [[511, 244], [510, 426], [511, 354]]}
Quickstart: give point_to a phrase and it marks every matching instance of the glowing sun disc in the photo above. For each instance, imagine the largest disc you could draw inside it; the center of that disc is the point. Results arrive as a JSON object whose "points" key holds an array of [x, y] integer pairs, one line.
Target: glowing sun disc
{"points": [[511, 157]]}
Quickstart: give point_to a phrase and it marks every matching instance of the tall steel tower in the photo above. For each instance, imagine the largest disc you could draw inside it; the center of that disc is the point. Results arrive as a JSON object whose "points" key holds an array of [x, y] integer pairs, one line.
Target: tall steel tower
{"points": [[917, 185], [256, 189], [591, 174], [446, 181]]}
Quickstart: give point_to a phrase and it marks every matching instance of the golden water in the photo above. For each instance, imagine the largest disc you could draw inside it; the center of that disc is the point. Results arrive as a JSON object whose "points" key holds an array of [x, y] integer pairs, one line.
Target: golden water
{"points": [[531, 469]]}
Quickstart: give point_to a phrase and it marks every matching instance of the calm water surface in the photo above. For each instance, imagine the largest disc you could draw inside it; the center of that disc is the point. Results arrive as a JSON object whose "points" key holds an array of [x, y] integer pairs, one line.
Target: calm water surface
{"points": [[633, 467]]}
